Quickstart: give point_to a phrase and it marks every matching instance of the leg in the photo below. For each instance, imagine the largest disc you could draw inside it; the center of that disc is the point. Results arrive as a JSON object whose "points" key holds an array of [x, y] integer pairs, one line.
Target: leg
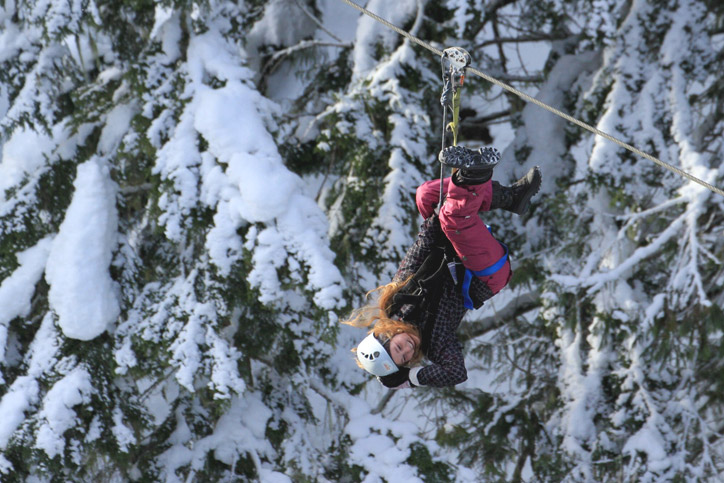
{"points": [[473, 243], [460, 222], [476, 167], [427, 196], [516, 198]]}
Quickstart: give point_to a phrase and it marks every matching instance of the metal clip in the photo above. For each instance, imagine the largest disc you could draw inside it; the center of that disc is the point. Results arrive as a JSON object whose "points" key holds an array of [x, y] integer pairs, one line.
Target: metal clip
{"points": [[453, 271], [454, 62]]}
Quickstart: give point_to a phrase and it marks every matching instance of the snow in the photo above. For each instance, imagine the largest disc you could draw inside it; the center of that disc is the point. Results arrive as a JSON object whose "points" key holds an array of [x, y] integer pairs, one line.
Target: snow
{"points": [[224, 374], [380, 445], [21, 156], [95, 431], [61, 16], [186, 350], [238, 138], [255, 187], [123, 434], [369, 32], [116, 126], [24, 392], [21, 395], [271, 476], [282, 24], [82, 293], [217, 128], [10, 41], [238, 433], [16, 291], [57, 414], [649, 442]]}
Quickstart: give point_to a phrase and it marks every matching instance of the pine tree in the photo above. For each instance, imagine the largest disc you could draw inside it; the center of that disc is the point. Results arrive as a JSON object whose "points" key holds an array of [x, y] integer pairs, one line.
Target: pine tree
{"points": [[609, 373], [193, 193]]}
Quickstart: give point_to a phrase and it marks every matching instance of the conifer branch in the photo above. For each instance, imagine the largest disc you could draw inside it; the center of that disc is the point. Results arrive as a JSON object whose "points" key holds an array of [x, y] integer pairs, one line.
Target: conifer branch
{"points": [[479, 121], [522, 39], [383, 402], [271, 65], [314, 19], [493, 6], [515, 308]]}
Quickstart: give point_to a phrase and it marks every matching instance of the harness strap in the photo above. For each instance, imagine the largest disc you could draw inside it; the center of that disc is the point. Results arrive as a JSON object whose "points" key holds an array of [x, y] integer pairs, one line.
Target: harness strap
{"points": [[486, 272], [421, 286], [401, 299]]}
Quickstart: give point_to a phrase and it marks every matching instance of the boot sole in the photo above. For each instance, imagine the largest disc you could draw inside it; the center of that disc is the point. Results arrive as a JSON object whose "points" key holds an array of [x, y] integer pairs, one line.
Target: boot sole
{"points": [[462, 158], [535, 178]]}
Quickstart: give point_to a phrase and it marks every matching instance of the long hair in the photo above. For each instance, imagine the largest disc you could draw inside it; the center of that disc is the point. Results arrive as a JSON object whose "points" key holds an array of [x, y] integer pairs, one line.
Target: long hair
{"points": [[383, 327]]}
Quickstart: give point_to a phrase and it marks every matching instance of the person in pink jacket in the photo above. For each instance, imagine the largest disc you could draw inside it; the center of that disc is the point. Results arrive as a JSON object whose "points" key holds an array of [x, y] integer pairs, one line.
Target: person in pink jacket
{"points": [[454, 266]]}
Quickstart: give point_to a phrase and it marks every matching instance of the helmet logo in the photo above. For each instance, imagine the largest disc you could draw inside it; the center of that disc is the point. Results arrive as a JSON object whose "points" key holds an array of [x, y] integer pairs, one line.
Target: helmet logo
{"points": [[370, 357]]}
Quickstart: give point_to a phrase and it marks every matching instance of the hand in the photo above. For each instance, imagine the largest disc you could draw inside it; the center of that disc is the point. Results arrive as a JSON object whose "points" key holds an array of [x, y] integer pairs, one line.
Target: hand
{"points": [[396, 379]]}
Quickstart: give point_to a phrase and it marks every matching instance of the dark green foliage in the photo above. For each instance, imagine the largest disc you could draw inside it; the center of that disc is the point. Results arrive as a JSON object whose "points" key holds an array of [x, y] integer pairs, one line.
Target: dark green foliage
{"points": [[437, 471], [502, 430], [527, 271], [337, 467], [55, 190], [130, 35], [305, 158]]}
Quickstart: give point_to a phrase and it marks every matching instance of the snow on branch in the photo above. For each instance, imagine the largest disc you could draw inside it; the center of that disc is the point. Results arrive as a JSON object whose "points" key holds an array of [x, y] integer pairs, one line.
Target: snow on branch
{"points": [[17, 290], [57, 415], [82, 292]]}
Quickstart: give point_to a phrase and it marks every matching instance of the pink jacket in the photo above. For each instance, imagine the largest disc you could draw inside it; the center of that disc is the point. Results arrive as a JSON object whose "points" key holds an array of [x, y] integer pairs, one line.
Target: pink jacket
{"points": [[459, 219]]}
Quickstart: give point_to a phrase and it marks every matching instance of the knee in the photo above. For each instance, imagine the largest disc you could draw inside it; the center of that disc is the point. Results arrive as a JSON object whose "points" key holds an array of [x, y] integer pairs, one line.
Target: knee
{"points": [[426, 199]]}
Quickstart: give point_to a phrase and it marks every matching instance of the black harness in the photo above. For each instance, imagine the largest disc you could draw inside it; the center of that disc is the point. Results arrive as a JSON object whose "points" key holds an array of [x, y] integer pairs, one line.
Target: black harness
{"points": [[424, 290]]}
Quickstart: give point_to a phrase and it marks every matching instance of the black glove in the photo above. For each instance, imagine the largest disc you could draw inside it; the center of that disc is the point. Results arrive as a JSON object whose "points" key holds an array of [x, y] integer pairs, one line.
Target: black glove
{"points": [[396, 378]]}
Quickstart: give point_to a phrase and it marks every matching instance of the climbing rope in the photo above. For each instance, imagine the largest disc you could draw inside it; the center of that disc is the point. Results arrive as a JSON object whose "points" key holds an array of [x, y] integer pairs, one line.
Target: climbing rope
{"points": [[454, 62], [545, 106]]}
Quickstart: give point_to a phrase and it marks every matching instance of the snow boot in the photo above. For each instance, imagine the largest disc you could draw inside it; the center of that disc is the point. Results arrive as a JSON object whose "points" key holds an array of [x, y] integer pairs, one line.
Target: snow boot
{"points": [[516, 197], [473, 167]]}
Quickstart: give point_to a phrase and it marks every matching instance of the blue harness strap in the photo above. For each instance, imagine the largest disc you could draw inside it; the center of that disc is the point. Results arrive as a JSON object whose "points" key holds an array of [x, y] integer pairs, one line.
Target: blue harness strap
{"points": [[467, 301]]}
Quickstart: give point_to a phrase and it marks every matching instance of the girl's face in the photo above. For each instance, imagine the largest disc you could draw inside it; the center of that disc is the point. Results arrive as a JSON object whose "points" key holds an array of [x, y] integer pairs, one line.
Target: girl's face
{"points": [[402, 348]]}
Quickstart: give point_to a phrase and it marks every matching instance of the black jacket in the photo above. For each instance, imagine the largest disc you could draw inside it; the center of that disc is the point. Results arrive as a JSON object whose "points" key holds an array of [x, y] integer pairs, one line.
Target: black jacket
{"points": [[439, 324]]}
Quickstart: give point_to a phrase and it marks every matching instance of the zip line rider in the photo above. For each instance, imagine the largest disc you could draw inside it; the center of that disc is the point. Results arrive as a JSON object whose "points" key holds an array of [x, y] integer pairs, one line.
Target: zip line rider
{"points": [[454, 265]]}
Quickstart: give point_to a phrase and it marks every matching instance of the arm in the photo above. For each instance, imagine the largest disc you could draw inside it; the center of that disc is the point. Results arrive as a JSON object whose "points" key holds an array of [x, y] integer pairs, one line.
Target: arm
{"points": [[443, 349], [448, 369]]}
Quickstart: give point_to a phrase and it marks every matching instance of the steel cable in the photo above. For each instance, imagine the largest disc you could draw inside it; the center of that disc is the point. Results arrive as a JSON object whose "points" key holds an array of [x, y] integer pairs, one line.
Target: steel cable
{"points": [[545, 106]]}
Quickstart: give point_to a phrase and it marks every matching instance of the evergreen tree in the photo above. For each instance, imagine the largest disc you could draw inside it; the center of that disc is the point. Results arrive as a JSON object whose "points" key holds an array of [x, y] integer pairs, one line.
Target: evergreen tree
{"points": [[193, 193]]}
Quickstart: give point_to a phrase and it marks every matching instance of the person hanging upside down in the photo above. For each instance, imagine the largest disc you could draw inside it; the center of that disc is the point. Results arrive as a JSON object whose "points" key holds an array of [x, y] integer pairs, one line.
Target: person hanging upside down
{"points": [[454, 265]]}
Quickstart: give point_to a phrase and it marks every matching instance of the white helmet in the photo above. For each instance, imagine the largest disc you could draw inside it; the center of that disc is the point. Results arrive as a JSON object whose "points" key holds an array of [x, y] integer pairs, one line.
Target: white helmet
{"points": [[374, 357]]}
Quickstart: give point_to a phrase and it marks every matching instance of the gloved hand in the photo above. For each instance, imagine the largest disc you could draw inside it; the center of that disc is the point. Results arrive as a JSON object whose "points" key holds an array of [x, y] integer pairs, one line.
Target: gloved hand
{"points": [[397, 380]]}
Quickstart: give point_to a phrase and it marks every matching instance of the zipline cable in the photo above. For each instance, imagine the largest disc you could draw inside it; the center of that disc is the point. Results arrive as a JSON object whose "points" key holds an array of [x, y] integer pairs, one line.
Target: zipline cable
{"points": [[545, 106]]}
